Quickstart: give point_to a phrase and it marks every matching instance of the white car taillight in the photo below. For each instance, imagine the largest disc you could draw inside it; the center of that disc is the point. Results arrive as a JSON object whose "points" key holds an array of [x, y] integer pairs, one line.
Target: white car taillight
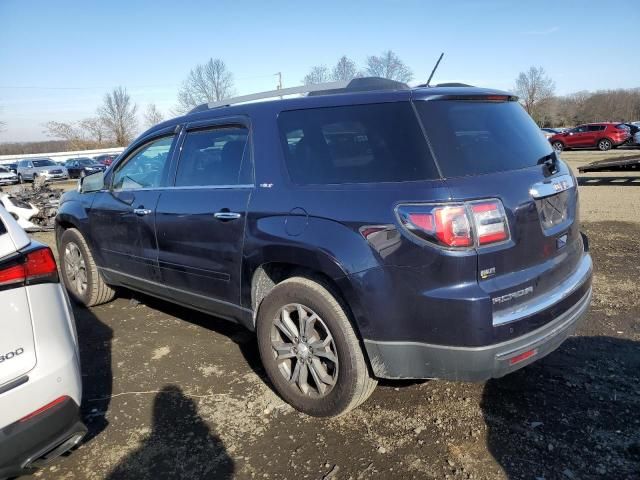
{"points": [[456, 225], [37, 266]]}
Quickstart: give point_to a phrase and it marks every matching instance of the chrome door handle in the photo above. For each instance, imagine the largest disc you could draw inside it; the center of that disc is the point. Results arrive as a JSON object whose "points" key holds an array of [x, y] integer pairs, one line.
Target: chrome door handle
{"points": [[141, 211], [227, 215]]}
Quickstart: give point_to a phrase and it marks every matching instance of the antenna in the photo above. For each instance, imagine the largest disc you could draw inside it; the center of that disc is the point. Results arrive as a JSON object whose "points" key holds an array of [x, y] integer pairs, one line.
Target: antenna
{"points": [[434, 70]]}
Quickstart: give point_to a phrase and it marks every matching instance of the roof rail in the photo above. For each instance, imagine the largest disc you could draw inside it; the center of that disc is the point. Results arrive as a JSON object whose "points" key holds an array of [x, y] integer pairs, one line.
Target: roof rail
{"points": [[357, 84], [278, 93]]}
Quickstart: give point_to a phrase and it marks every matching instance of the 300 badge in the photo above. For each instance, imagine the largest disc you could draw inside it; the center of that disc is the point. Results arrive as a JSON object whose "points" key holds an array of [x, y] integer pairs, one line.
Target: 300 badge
{"points": [[10, 355]]}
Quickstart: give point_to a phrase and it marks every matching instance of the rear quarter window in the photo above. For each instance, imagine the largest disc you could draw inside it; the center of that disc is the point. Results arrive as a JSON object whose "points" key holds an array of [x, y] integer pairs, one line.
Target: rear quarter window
{"points": [[355, 144]]}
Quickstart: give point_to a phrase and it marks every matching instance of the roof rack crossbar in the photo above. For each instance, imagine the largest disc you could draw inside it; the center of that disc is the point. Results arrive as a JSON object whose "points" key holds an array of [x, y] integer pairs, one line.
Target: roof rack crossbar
{"points": [[279, 93]]}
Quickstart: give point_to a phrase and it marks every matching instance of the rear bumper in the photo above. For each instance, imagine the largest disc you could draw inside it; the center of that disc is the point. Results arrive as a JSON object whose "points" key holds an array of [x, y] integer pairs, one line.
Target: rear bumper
{"points": [[35, 442], [422, 360]]}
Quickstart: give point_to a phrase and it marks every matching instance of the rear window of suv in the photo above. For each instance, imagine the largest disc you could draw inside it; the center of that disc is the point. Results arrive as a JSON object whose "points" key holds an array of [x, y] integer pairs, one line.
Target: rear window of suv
{"points": [[472, 137], [355, 144]]}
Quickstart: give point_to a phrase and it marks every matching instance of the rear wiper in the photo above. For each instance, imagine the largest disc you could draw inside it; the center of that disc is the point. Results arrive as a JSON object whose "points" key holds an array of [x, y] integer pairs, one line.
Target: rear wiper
{"points": [[550, 161]]}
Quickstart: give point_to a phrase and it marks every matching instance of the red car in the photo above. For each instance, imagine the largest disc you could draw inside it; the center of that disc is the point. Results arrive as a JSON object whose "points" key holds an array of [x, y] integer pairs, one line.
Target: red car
{"points": [[106, 159], [603, 136]]}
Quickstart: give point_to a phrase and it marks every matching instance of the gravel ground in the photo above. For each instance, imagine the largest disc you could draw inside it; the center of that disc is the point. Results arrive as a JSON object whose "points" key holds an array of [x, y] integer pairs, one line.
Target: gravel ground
{"points": [[171, 393]]}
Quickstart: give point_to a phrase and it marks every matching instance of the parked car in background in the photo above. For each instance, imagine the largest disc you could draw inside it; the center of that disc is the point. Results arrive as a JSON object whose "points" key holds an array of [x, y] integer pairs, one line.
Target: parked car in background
{"points": [[106, 159], [40, 382], [12, 167], [603, 136], [633, 130], [549, 132], [636, 138], [358, 249], [32, 168], [7, 177], [83, 166]]}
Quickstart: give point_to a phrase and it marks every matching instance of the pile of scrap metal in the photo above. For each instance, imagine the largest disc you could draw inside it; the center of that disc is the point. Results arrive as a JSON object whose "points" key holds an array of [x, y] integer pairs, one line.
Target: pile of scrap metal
{"points": [[34, 207]]}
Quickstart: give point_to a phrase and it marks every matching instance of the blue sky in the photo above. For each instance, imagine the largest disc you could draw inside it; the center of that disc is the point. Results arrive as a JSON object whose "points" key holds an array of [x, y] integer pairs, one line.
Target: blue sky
{"points": [[75, 51]]}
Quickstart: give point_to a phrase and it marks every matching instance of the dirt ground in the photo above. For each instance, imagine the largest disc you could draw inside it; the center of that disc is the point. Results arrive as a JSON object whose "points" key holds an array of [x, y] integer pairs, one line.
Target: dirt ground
{"points": [[171, 393]]}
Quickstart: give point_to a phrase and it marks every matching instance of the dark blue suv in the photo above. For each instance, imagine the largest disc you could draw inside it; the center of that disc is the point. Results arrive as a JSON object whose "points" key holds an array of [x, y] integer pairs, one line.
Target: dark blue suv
{"points": [[366, 232]]}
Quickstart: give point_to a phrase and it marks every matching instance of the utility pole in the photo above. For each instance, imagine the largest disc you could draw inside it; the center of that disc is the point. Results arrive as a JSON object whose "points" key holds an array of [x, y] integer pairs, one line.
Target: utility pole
{"points": [[279, 74]]}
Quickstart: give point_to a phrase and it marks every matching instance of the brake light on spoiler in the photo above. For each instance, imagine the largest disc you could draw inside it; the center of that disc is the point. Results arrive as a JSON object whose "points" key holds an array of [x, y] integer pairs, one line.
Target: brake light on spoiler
{"points": [[457, 225]]}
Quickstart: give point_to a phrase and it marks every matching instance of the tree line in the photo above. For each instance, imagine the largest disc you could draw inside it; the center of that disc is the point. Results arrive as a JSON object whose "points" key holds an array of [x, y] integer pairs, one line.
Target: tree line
{"points": [[116, 122], [536, 91]]}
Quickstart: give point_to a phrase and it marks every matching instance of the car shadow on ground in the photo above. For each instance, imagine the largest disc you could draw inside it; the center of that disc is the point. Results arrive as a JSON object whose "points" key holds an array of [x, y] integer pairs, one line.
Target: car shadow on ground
{"points": [[180, 445], [94, 338], [243, 338], [618, 181], [574, 414]]}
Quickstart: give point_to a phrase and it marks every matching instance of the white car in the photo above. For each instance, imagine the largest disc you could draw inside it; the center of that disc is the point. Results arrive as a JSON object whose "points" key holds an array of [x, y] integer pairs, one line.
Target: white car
{"points": [[21, 211], [7, 177], [40, 383], [636, 138]]}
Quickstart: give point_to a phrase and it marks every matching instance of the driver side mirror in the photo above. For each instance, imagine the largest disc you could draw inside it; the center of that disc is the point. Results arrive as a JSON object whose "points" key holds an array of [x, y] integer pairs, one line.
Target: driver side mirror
{"points": [[92, 183]]}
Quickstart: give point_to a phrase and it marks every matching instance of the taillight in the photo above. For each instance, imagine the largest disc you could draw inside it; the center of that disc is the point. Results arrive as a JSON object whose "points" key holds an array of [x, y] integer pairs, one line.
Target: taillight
{"points": [[35, 267], [457, 225], [490, 222]]}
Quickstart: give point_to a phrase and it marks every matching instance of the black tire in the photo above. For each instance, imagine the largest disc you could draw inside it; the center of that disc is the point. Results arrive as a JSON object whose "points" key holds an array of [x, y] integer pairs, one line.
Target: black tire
{"points": [[20, 179], [604, 144], [558, 146], [353, 383], [97, 291]]}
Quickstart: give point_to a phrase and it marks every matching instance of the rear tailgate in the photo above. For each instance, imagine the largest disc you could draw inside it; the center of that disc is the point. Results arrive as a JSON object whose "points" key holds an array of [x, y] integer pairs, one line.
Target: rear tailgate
{"points": [[489, 148], [17, 349]]}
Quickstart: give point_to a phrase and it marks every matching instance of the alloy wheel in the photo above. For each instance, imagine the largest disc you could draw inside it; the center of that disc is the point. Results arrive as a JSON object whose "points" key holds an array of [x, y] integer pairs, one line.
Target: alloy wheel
{"points": [[304, 350], [75, 268]]}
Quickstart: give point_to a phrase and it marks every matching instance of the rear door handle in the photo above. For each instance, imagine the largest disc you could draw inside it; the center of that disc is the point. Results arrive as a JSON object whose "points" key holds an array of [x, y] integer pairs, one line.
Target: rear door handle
{"points": [[141, 211], [227, 215]]}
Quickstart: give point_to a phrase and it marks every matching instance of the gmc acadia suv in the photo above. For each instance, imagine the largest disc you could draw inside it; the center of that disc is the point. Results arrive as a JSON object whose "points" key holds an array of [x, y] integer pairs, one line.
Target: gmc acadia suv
{"points": [[388, 233]]}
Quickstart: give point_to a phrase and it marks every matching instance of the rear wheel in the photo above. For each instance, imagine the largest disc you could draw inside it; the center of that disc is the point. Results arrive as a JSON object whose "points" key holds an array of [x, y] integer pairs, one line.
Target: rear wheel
{"points": [[310, 351], [80, 274], [558, 146], [20, 179], [604, 144]]}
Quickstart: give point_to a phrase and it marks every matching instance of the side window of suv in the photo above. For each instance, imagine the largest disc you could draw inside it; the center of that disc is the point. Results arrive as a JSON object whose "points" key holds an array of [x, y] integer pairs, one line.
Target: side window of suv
{"points": [[355, 144], [145, 167], [596, 128], [214, 157]]}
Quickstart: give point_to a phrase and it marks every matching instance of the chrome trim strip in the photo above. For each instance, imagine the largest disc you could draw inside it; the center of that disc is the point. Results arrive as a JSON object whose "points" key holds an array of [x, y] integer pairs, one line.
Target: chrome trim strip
{"points": [[551, 187], [562, 291]]}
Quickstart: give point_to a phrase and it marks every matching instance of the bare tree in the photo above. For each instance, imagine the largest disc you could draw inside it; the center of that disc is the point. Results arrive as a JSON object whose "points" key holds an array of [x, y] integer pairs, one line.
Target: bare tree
{"points": [[118, 113], [2, 126], [317, 74], [344, 70], [72, 134], [388, 65], [534, 87], [152, 115], [205, 83], [96, 129]]}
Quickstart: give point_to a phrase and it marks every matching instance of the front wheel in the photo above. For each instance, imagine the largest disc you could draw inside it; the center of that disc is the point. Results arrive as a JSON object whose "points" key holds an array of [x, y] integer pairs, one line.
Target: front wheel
{"points": [[20, 179], [80, 274], [310, 350], [604, 145], [558, 146]]}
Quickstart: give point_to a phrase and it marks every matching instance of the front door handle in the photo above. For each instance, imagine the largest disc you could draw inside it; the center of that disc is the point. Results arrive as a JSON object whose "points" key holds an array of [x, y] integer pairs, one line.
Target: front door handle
{"points": [[227, 215], [141, 212]]}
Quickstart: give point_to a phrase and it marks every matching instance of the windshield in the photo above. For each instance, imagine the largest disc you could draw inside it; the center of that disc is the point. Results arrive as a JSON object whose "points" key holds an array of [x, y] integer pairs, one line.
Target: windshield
{"points": [[475, 137], [43, 163]]}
